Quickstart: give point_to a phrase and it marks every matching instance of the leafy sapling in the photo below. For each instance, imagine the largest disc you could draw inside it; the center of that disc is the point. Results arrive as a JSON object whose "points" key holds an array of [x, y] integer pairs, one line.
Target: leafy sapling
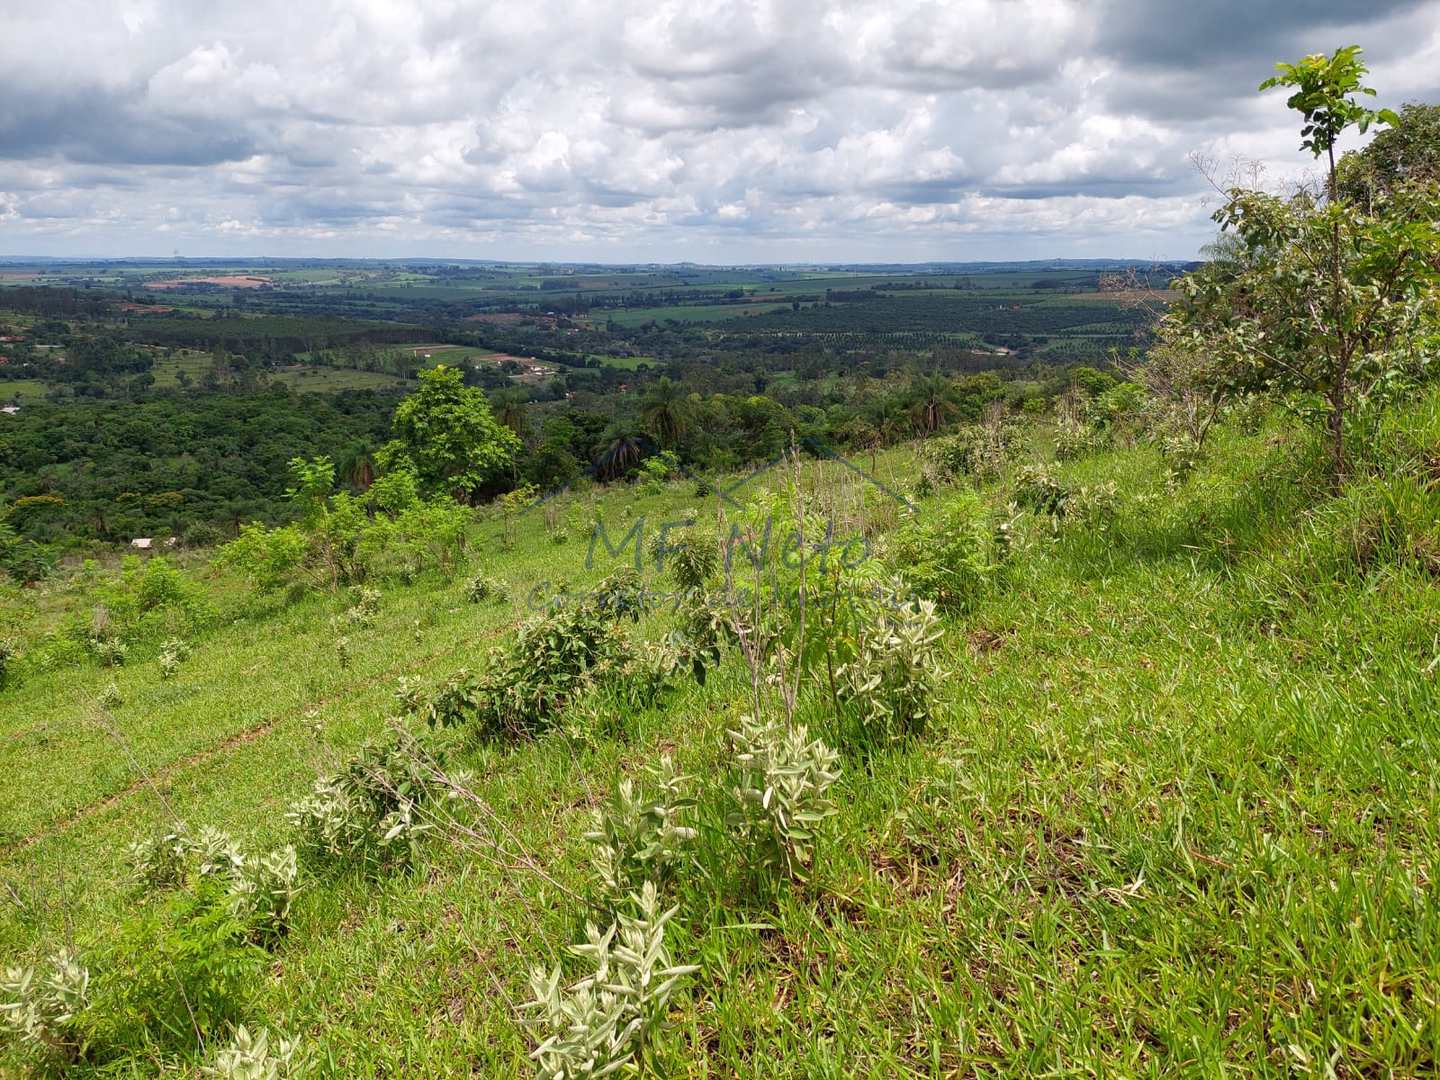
{"points": [[782, 781], [605, 1022], [44, 1009], [639, 836]]}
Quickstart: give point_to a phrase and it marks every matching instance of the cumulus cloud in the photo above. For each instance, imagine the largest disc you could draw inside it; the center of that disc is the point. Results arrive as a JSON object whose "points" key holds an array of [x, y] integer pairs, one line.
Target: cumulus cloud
{"points": [[718, 130]]}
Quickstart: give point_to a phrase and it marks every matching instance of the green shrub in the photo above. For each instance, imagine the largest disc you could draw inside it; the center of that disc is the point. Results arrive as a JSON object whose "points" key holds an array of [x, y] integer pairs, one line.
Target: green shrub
{"points": [[620, 596], [603, 1024], [690, 559], [270, 558], [944, 555], [263, 890], [781, 780], [428, 536], [179, 974], [554, 658], [707, 626], [653, 473], [638, 836], [370, 810]]}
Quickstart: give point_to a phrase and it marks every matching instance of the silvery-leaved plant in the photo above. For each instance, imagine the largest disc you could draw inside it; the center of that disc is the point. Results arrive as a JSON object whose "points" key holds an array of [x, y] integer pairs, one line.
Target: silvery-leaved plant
{"points": [[44, 1009], [263, 890], [603, 1023], [781, 791], [173, 653], [110, 651], [110, 698], [483, 587], [217, 855], [260, 890], [638, 836], [890, 682], [160, 860], [369, 809], [265, 1055]]}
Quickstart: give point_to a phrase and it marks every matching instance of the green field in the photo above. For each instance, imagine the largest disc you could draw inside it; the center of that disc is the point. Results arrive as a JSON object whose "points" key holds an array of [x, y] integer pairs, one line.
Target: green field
{"points": [[1173, 811], [20, 391], [329, 380], [692, 313]]}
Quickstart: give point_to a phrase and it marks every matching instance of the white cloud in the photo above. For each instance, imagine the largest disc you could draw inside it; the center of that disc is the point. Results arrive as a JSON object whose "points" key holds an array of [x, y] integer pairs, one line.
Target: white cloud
{"points": [[748, 129]]}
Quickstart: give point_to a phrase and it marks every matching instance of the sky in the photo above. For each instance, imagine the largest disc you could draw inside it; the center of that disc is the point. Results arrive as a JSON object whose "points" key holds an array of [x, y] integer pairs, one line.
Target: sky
{"points": [[652, 130]]}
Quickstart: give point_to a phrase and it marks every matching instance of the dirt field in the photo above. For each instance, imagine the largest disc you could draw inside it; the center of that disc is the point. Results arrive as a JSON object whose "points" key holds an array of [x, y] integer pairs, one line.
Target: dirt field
{"points": [[233, 281]]}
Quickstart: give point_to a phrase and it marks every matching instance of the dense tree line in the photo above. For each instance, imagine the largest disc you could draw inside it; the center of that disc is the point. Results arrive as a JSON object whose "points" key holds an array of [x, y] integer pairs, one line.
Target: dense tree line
{"points": [[193, 466]]}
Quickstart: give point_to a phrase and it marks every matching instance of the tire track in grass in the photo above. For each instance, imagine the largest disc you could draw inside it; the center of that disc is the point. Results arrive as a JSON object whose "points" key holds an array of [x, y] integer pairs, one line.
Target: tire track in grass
{"points": [[229, 742]]}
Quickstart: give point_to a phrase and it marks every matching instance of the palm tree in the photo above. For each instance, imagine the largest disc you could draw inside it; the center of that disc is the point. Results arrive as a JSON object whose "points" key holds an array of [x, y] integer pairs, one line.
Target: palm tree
{"points": [[934, 402], [357, 467], [622, 450], [509, 409], [666, 411]]}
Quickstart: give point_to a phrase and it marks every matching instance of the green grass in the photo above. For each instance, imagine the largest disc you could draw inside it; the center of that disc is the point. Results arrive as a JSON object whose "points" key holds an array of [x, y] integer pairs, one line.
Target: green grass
{"points": [[692, 312], [330, 380], [20, 391], [1175, 813]]}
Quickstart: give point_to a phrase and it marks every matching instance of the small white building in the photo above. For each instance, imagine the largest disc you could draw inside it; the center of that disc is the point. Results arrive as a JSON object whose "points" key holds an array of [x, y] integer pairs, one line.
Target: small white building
{"points": [[142, 543], [9, 410]]}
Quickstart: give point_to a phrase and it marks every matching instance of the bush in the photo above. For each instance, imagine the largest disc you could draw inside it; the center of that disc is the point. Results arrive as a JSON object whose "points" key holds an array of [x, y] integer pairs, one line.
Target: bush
{"points": [[1037, 489], [46, 1010], [259, 890], [427, 536], [603, 1023], [267, 1055], [638, 837], [781, 783], [110, 697], [1182, 456], [271, 558], [691, 560], [944, 556], [8, 653], [621, 595], [1094, 507], [369, 810], [110, 651], [482, 587], [178, 971], [555, 657], [889, 686], [173, 653], [1074, 439]]}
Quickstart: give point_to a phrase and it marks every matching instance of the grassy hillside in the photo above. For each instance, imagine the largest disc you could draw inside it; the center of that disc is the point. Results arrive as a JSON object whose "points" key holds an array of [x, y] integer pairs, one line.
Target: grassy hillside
{"points": [[1174, 808]]}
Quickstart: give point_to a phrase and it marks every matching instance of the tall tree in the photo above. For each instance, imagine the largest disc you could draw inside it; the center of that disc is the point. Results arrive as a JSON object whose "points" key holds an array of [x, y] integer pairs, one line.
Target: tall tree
{"points": [[1404, 154], [446, 433], [933, 403], [666, 411], [1331, 301]]}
